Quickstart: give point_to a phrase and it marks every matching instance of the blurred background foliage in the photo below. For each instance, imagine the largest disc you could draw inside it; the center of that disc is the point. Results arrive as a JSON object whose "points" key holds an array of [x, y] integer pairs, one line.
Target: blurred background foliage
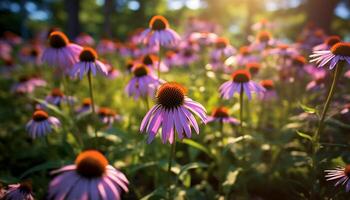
{"points": [[118, 18]]}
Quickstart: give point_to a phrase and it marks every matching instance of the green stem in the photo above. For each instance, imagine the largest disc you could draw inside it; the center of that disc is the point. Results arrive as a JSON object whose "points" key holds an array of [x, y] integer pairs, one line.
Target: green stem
{"points": [[172, 154], [241, 118], [316, 137], [92, 98]]}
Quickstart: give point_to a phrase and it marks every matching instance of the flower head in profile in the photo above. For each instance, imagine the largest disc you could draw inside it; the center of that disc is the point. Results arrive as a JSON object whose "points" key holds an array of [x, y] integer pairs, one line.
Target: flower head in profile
{"points": [[340, 52], [328, 43], [253, 67], [172, 113], [91, 177], [108, 116], [159, 33], [240, 82], [27, 84], [152, 61], [41, 124], [245, 56], [88, 63], [56, 97], [221, 114], [19, 191], [341, 174], [85, 107], [143, 84], [60, 52], [270, 90], [223, 49], [263, 40]]}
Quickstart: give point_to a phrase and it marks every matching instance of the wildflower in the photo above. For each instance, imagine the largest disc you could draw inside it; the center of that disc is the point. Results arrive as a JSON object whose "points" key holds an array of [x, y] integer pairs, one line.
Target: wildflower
{"points": [[107, 115], [253, 67], [88, 64], [328, 43], [143, 84], [106, 46], [172, 112], [61, 53], [91, 177], [240, 83], [19, 191], [342, 174], [270, 92], [41, 124], [223, 49], [56, 97], [27, 84], [203, 38], [221, 114], [152, 61], [85, 39], [339, 52], [85, 107], [159, 33]]}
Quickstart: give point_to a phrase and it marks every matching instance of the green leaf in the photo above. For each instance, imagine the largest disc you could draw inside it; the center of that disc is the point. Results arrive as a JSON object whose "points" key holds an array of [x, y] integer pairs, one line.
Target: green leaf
{"points": [[159, 192], [196, 145], [193, 165], [51, 107], [307, 109], [304, 135], [337, 123], [42, 167]]}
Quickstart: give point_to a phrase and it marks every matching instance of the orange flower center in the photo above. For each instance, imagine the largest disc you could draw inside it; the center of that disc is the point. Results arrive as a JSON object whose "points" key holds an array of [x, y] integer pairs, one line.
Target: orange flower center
{"points": [[299, 61], [283, 46], [40, 115], [253, 67], [86, 102], [220, 112], [129, 65], [267, 84], [241, 76], [244, 50], [91, 164], [56, 92], [264, 36], [26, 187], [105, 112], [158, 23], [221, 43], [149, 59], [140, 70], [88, 55], [171, 95], [58, 39], [341, 49], [332, 40], [347, 170]]}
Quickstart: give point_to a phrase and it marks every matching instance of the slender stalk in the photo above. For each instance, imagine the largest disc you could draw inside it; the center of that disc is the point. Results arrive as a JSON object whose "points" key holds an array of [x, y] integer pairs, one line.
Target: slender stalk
{"points": [[316, 137], [159, 60], [172, 155], [241, 119], [92, 98]]}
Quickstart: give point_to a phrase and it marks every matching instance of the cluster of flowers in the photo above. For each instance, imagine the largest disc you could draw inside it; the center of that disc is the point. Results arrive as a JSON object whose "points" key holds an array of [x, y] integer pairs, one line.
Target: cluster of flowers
{"points": [[174, 112]]}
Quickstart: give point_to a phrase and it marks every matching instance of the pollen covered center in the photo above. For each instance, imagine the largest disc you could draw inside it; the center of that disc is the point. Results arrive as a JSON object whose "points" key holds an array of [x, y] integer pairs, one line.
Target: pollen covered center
{"points": [[58, 39], [91, 164], [56, 92], [253, 67], [140, 70], [40, 115], [26, 187], [264, 36], [241, 76], [86, 102], [148, 59], [299, 61], [221, 43], [267, 84], [220, 112], [341, 49], [332, 40], [158, 23], [88, 55], [171, 95]]}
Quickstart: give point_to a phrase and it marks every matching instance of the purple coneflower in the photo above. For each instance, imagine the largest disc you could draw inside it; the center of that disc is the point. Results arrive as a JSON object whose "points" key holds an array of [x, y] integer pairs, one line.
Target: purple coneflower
{"points": [[341, 174], [106, 46], [41, 124], [253, 68], [85, 107], [56, 97], [270, 91], [85, 39], [159, 33], [88, 64], [245, 56], [27, 84], [240, 83], [153, 62], [61, 53], [263, 40], [173, 113], [143, 84], [221, 115], [187, 56], [223, 49], [339, 52], [328, 43], [107, 115], [203, 38], [19, 191], [91, 177]]}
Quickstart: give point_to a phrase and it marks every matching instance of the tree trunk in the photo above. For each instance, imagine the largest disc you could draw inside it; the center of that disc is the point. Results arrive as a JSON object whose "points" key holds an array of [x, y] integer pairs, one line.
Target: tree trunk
{"points": [[73, 22], [321, 12], [107, 11]]}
